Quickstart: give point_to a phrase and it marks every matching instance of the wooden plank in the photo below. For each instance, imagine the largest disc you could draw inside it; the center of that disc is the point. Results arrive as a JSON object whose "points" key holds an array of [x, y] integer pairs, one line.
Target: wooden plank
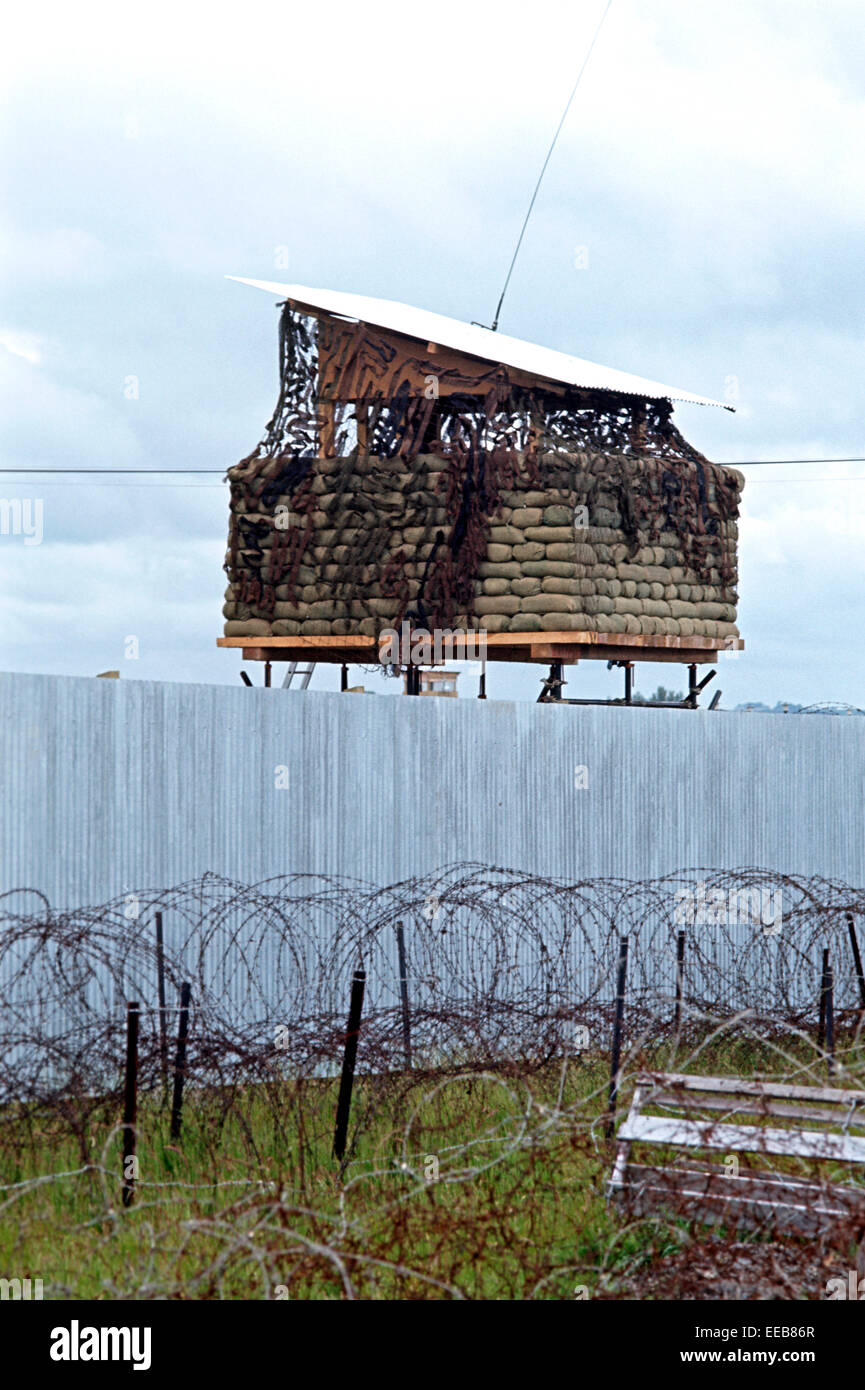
{"points": [[657, 642], [300, 642], [735, 1086], [746, 1214], [623, 1148], [693, 1134], [767, 1186], [753, 1201], [687, 1183], [607, 639], [759, 1181], [695, 1101], [352, 648], [547, 652]]}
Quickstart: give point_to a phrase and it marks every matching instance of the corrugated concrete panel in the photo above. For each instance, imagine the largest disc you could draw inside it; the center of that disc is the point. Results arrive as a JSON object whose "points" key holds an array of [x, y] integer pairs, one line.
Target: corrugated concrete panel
{"points": [[109, 786]]}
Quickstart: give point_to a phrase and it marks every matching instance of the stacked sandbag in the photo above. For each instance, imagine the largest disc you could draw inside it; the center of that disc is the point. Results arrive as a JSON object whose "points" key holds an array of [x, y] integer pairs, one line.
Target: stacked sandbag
{"points": [[596, 549]]}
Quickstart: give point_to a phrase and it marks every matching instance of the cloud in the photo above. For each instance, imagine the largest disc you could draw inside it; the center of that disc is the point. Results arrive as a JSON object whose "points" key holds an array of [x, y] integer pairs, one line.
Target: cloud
{"points": [[710, 163], [30, 346], [44, 259], [57, 425]]}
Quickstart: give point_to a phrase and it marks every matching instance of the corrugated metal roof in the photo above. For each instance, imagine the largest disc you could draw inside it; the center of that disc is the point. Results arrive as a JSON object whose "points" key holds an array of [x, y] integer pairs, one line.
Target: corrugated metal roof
{"points": [[479, 342]]}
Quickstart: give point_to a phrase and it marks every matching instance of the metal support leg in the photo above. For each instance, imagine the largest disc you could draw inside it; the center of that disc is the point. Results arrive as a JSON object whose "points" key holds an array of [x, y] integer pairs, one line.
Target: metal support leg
{"points": [[695, 687], [551, 691], [692, 686], [343, 680]]}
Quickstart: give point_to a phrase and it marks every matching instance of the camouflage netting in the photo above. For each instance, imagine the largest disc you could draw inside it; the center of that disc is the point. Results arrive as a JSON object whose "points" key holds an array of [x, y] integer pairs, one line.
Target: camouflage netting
{"points": [[444, 521]]}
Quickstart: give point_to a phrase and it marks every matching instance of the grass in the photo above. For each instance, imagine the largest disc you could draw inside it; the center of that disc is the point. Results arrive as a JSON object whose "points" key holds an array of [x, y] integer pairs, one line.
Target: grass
{"points": [[475, 1185]]}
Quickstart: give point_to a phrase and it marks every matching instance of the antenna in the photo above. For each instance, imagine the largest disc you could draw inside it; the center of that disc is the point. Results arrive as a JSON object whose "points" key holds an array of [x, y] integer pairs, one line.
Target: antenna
{"points": [[495, 322]]}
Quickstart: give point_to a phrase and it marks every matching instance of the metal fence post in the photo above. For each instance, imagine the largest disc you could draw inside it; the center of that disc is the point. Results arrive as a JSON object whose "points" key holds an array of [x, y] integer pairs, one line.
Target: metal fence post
{"points": [[617, 1037], [857, 959], [680, 977], [130, 1103], [830, 1020], [180, 1061], [403, 990], [343, 1104], [163, 1012], [821, 1026]]}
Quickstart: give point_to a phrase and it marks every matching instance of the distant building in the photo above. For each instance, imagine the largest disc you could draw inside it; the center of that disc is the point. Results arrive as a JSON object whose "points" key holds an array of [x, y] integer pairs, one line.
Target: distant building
{"points": [[788, 707]]}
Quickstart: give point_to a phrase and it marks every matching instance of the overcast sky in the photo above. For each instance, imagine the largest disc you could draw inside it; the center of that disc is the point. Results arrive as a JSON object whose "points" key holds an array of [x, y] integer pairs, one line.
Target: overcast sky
{"points": [[712, 165]]}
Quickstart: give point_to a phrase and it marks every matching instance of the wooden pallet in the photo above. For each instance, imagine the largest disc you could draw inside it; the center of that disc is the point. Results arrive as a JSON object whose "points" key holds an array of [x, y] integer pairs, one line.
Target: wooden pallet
{"points": [[697, 1113], [545, 647]]}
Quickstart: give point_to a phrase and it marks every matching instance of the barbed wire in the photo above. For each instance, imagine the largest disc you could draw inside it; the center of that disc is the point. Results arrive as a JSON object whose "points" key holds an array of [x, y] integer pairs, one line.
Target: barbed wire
{"points": [[477, 1159]]}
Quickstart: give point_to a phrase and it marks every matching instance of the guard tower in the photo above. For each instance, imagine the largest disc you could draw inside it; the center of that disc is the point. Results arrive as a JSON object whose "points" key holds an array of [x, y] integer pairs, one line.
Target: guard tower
{"points": [[425, 471]]}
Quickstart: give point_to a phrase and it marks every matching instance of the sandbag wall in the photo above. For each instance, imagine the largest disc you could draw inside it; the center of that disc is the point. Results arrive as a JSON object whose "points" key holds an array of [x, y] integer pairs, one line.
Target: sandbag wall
{"points": [[580, 542]]}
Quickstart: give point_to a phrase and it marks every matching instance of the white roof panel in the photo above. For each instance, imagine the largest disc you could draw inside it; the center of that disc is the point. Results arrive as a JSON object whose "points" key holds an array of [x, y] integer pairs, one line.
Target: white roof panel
{"points": [[428, 327]]}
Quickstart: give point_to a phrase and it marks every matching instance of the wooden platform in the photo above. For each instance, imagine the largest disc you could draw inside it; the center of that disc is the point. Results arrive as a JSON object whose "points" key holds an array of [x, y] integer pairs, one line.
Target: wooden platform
{"points": [[544, 647], [818, 1126]]}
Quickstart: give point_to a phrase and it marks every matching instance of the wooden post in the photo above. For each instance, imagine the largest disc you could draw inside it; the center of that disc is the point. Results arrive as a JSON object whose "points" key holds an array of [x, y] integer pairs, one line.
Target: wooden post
{"points": [[326, 429], [360, 415], [163, 1012], [346, 1083], [180, 1061], [857, 959], [680, 977], [130, 1103], [637, 430], [403, 990], [617, 1037]]}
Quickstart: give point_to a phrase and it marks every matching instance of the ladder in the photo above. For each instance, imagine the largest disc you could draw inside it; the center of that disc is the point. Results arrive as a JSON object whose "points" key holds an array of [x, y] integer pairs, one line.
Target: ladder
{"points": [[303, 672]]}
